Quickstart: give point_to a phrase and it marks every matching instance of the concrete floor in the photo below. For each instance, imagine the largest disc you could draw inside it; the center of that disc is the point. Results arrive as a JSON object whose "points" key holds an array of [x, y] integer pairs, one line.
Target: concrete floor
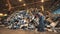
{"points": [[18, 31], [8, 31]]}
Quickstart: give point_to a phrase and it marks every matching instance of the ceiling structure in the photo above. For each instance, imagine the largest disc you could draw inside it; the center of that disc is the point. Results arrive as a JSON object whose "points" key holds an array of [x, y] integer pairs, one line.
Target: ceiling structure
{"points": [[9, 6]]}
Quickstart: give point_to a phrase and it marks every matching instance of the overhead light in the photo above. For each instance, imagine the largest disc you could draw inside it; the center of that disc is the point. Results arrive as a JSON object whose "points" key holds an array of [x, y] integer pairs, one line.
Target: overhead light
{"points": [[24, 4], [5, 14], [1, 14], [20, 0], [42, 1]]}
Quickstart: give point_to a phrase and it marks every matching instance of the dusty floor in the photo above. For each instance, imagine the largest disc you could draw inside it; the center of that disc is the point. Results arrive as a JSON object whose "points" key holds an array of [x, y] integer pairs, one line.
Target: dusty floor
{"points": [[7, 31], [18, 31]]}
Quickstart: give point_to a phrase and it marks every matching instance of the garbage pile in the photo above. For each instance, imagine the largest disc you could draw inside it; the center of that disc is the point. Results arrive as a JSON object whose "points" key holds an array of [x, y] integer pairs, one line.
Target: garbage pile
{"points": [[31, 20], [21, 20]]}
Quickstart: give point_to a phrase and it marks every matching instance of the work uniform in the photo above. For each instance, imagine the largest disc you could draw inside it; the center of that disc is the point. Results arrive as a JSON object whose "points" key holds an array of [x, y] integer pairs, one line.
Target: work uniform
{"points": [[41, 25]]}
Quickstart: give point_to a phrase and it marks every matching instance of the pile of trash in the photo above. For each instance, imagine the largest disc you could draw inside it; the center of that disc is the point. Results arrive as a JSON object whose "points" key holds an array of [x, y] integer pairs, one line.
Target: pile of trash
{"points": [[21, 20], [28, 20]]}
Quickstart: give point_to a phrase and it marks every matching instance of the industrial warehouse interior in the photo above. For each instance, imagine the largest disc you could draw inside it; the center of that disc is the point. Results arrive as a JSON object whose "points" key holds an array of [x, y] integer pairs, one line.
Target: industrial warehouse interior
{"points": [[29, 16]]}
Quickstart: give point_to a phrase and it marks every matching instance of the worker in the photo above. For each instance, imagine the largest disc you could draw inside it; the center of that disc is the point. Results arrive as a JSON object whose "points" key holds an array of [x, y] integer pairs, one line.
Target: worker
{"points": [[41, 25]]}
